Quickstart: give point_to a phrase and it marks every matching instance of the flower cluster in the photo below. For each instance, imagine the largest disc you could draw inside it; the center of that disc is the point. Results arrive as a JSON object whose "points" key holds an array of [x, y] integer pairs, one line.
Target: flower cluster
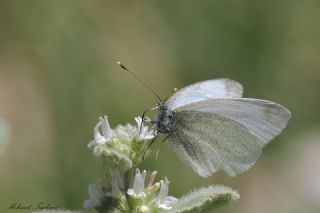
{"points": [[123, 147], [143, 195], [149, 195], [125, 189], [121, 150]]}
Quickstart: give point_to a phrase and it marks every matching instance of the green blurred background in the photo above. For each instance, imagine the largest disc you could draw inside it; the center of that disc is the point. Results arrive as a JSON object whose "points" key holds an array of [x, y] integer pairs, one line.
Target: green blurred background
{"points": [[58, 74]]}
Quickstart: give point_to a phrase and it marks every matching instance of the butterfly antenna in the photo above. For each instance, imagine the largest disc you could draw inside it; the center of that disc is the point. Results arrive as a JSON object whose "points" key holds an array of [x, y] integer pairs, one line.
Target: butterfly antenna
{"points": [[141, 81]]}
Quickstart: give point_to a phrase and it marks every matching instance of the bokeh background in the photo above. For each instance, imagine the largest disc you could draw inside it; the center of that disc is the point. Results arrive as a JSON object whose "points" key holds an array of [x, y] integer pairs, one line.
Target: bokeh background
{"points": [[58, 74]]}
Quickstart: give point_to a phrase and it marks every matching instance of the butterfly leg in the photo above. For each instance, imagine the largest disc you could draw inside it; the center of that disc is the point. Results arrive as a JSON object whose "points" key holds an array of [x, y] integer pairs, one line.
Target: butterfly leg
{"points": [[153, 140], [143, 117], [145, 150], [163, 140]]}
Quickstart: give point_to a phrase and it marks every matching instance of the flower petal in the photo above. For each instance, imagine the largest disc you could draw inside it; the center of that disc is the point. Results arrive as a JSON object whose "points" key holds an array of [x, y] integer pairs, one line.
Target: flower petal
{"points": [[96, 195], [105, 128], [164, 189], [91, 203], [97, 135]]}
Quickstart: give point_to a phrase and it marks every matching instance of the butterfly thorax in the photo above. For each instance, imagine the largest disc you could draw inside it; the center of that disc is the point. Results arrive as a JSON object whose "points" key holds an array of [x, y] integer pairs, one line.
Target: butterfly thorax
{"points": [[164, 118]]}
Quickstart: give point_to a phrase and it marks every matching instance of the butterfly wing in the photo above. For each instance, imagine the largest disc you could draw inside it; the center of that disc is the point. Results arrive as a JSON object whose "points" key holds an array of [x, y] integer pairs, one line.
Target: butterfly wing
{"points": [[215, 88], [264, 119], [208, 143]]}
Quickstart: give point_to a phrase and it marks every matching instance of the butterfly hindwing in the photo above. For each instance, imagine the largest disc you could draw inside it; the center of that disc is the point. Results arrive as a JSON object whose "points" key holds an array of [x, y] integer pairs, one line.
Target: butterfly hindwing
{"points": [[209, 143]]}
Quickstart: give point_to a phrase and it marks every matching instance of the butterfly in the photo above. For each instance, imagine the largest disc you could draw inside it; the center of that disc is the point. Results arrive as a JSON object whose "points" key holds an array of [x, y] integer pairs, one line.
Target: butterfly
{"points": [[211, 127]]}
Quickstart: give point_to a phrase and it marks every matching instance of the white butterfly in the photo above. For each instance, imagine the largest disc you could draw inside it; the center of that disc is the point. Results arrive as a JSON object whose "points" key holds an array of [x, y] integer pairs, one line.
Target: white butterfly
{"points": [[211, 127]]}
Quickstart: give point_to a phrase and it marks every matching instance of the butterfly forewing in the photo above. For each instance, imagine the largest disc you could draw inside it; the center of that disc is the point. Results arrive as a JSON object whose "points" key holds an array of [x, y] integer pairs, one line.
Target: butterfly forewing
{"points": [[209, 89], [208, 143]]}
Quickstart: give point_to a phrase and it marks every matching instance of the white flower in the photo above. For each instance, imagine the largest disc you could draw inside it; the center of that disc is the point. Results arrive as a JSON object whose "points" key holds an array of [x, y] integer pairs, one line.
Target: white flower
{"points": [[163, 200], [96, 195], [144, 209], [117, 184], [150, 178], [104, 134], [143, 131], [138, 185], [105, 128], [126, 132], [107, 133]]}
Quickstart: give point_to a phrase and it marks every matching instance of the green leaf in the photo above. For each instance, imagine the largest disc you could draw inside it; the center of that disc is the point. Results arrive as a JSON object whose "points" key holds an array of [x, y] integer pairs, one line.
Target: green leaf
{"points": [[204, 199]]}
